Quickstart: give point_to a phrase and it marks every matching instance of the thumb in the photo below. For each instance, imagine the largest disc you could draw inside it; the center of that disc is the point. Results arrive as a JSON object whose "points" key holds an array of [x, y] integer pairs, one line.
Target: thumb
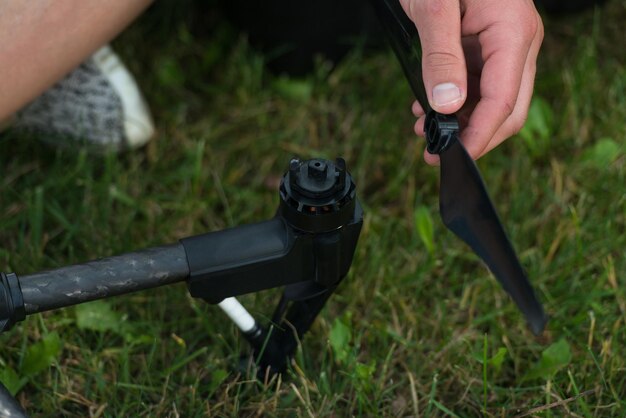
{"points": [[438, 23]]}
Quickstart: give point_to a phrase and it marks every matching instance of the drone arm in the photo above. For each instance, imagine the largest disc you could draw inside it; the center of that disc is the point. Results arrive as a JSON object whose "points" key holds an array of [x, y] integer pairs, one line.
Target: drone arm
{"points": [[247, 259], [104, 278], [307, 247], [216, 265], [9, 407]]}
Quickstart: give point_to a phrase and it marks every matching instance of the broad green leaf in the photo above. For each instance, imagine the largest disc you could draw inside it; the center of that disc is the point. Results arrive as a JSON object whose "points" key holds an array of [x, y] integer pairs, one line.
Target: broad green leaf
{"points": [[217, 377], [553, 359], [132, 337], [121, 196], [295, 89], [496, 361], [339, 338], [11, 380], [41, 355], [98, 316], [603, 153], [424, 226], [365, 371], [538, 129]]}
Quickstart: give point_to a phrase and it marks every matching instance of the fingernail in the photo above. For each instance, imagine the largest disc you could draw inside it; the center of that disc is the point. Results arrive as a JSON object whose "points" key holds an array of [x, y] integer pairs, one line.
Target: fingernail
{"points": [[445, 94]]}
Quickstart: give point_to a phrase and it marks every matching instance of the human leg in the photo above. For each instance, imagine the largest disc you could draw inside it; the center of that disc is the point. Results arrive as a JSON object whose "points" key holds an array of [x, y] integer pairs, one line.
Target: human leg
{"points": [[43, 40]]}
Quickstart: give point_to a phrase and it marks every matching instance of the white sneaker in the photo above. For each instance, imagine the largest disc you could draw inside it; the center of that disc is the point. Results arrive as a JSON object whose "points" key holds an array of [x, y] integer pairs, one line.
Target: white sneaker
{"points": [[98, 104]]}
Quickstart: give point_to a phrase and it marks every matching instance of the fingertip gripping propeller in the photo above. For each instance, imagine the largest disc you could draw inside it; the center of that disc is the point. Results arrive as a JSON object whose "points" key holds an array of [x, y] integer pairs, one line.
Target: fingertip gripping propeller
{"points": [[467, 210], [464, 203]]}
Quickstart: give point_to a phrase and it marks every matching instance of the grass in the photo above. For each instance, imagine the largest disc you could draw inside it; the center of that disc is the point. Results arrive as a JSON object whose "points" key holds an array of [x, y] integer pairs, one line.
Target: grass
{"points": [[419, 327]]}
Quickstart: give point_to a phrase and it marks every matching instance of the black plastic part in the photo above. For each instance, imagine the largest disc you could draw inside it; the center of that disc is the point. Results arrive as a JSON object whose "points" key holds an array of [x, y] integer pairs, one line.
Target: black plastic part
{"points": [[308, 247], [274, 347], [104, 278], [245, 259], [467, 210], [9, 407], [440, 131], [270, 254], [316, 196], [11, 301], [404, 40], [310, 242]]}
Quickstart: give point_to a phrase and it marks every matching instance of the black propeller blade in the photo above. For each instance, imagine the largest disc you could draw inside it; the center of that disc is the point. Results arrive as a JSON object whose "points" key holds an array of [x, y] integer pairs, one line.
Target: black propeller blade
{"points": [[466, 210], [464, 203]]}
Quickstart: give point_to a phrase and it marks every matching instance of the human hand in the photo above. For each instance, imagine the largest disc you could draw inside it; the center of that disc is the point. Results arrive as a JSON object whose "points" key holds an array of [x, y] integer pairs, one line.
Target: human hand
{"points": [[479, 60]]}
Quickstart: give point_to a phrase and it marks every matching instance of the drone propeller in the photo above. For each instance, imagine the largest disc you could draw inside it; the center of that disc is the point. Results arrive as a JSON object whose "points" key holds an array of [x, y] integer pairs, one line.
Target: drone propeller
{"points": [[464, 203]]}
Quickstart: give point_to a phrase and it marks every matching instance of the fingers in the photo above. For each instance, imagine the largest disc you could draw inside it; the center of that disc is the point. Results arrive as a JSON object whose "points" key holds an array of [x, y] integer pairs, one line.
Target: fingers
{"points": [[516, 121], [417, 109], [505, 57], [443, 63], [490, 87]]}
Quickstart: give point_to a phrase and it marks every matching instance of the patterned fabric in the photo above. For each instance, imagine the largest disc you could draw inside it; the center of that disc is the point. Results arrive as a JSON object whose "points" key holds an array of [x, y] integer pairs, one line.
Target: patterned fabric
{"points": [[82, 107]]}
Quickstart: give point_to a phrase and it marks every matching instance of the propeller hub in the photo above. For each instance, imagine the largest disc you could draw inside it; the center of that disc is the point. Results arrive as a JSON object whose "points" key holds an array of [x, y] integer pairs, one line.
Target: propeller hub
{"points": [[440, 129]]}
